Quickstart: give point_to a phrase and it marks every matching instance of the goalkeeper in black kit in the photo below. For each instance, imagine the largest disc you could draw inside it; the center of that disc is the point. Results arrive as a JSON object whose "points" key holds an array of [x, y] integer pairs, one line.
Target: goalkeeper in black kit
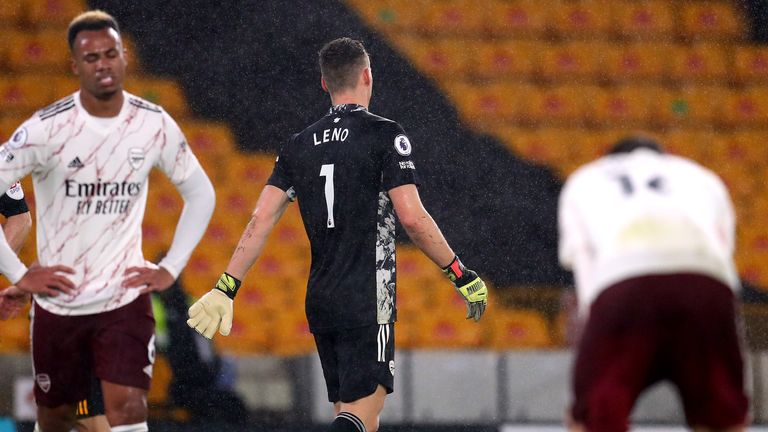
{"points": [[351, 173]]}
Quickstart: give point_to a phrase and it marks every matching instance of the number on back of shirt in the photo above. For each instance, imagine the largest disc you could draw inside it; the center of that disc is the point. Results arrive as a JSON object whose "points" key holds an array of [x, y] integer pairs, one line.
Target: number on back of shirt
{"points": [[327, 172]]}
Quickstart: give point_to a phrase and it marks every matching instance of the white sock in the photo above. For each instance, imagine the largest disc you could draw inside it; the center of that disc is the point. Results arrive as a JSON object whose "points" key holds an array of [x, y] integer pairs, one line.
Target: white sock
{"points": [[138, 427]]}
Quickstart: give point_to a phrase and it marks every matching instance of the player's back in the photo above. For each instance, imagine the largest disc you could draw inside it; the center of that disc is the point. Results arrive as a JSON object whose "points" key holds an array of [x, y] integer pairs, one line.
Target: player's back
{"points": [[340, 169], [645, 212]]}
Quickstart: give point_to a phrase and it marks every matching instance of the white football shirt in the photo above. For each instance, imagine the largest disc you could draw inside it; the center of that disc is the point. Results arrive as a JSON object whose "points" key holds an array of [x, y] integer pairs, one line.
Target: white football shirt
{"points": [[642, 213], [90, 181]]}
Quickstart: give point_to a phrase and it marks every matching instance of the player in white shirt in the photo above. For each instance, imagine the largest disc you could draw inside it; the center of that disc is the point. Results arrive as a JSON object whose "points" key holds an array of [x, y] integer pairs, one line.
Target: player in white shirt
{"points": [[90, 156], [650, 239]]}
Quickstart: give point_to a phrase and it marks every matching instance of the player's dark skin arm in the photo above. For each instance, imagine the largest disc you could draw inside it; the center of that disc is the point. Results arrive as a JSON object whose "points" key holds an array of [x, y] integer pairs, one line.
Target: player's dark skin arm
{"points": [[420, 226], [269, 208]]}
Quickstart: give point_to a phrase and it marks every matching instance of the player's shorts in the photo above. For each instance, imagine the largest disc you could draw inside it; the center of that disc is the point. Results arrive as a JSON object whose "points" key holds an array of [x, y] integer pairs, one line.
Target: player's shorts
{"points": [[678, 327], [93, 405], [117, 346], [355, 361]]}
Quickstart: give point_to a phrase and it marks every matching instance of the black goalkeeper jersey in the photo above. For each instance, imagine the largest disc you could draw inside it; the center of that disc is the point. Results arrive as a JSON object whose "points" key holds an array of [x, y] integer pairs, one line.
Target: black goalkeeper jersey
{"points": [[340, 170]]}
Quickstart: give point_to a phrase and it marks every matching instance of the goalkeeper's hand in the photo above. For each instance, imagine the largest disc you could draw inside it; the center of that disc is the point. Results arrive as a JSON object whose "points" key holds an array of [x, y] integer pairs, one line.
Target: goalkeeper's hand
{"points": [[469, 285], [214, 310]]}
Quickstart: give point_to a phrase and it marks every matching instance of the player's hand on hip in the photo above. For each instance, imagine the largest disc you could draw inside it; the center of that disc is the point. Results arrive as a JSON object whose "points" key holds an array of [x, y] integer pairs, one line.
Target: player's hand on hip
{"points": [[12, 300], [148, 279], [214, 310], [49, 281], [469, 286]]}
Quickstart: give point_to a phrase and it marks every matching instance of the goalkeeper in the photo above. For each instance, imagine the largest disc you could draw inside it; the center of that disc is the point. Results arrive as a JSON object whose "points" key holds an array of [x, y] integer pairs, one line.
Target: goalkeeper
{"points": [[351, 172]]}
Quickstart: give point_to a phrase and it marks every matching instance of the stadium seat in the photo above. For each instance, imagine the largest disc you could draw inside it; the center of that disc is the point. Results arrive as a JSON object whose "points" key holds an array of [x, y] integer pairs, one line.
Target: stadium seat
{"points": [[447, 329], [709, 20], [62, 86], [163, 92], [511, 60], [213, 144], [525, 18], [635, 61], [488, 105], [290, 335], [391, 15], [15, 334], [250, 334], [625, 105], [516, 329], [44, 51], [11, 11], [750, 64], [562, 104], [698, 63], [650, 19], [58, 12], [572, 61], [24, 95], [9, 124], [581, 18], [688, 105], [692, 143], [441, 58], [453, 17], [744, 108]]}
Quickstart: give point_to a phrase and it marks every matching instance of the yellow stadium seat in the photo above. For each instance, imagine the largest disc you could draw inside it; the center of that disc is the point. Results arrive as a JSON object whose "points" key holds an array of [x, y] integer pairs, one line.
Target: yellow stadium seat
{"points": [[699, 62], [44, 51], [488, 105], [505, 60], [563, 104], [163, 92], [709, 20], [442, 58], [250, 335], [635, 61], [626, 105], [24, 95], [688, 105], [744, 108], [582, 18], [11, 11], [650, 19], [391, 14], [571, 61], [447, 329], [516, 329], [290, 335], [517, 17], [742, 149], [690, 143], [59, 12], [453, 17], [751, 64]]}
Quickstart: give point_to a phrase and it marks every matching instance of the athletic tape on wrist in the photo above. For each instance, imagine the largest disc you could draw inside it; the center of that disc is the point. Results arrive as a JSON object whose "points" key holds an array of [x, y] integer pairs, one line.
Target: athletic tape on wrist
{"points": [[455, 269], [228, 284]]}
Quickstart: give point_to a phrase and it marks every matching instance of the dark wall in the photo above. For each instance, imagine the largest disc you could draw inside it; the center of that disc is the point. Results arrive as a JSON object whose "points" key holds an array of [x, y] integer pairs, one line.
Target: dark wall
{"points": [[253, 64]]}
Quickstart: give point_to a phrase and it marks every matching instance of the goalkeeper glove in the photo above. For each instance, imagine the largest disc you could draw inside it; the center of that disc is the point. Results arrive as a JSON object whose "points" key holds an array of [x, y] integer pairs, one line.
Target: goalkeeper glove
{"points": [[214, 310], [469, 285]]}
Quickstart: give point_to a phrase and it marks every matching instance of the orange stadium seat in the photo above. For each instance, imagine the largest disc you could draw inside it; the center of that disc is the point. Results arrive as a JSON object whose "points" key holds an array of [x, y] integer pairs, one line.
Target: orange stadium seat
{"points": [[571, 61], [744, 108], [213, 144], [582, 18], [751, 64], [9, 124], [62, 86], [11, 11], [24, 95], [635, 61], [60, 12], [650, 19], [709, 20], [561, 104], [403, 15], [485, 106], [742, 149], [441, 58], [699, 62], [290, 335], [516, 329], [690, 143], [251, 334], [517, 17], [44, 51], [163, 92], [447, 329], [453, 17], [626, 105], [511, 60], [15, 334]]}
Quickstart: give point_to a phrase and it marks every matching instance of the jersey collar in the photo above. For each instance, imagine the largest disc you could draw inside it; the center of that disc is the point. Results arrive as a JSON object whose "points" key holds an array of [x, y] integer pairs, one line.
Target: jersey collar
{"points": [[345, 108]]}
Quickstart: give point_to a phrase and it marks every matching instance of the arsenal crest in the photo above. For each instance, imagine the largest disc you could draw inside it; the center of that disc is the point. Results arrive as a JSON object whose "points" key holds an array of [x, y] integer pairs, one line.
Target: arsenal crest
{"points": [[135, 157]]}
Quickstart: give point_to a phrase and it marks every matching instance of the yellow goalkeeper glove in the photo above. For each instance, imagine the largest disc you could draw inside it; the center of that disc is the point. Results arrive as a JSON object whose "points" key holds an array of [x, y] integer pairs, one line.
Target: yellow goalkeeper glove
{"points": [[214, 310], [469, 285]]}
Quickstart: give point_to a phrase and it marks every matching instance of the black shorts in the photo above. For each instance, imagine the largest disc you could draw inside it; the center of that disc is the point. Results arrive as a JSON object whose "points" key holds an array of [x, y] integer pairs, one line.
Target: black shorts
{"points": [[93, 405], [355, 361]]}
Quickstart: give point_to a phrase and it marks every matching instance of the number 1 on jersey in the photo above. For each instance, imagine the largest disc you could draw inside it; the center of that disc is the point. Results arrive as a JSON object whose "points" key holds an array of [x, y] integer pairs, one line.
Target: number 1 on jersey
{"points": [[327, 172]]}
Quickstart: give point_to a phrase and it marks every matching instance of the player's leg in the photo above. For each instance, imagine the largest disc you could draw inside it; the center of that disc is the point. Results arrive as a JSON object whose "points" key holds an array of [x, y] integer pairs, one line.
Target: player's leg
{"points": [[124, 354], [62, 367], [366, 364], [93, 424], [90, 411], [614, 360], [708, 364]]}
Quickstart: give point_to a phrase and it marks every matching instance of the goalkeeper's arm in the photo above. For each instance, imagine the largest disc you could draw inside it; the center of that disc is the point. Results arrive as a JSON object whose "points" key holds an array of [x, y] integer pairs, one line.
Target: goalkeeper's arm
{"points": [[425, 234], [214, 310]]}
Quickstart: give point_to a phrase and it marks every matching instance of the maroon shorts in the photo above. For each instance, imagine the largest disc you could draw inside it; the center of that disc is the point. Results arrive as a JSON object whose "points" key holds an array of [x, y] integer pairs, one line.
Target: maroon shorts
{"points": [[116, 346], [678, 327]]}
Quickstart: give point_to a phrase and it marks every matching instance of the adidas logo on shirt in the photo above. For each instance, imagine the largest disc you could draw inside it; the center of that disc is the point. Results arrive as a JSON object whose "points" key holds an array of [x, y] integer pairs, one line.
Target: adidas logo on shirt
{"points": [[76, 163]]}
